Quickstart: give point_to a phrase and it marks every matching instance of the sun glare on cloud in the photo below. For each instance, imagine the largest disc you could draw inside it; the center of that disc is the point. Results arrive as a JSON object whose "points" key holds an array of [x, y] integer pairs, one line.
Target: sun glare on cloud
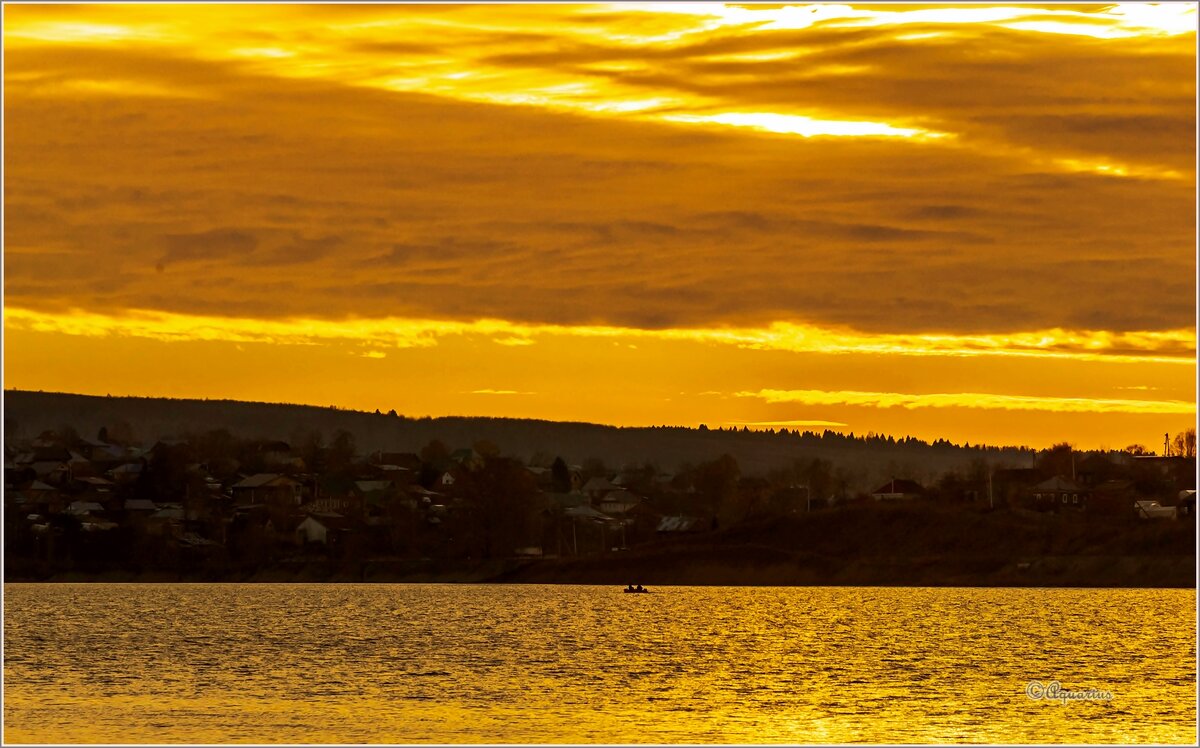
{"points": [[1178, 346], [805, 126]]}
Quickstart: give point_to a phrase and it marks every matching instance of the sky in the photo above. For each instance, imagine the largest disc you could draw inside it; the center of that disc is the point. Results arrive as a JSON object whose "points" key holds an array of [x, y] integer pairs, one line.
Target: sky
{"points": [[972, 222]]}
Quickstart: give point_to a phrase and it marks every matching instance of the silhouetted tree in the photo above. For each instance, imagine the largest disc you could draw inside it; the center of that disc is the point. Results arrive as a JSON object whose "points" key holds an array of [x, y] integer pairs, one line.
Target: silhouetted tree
{"points": [[434, 451], [561, 475], [1057, 460], [716, 484], [341, 453], [1184, 443], [486, 448]]}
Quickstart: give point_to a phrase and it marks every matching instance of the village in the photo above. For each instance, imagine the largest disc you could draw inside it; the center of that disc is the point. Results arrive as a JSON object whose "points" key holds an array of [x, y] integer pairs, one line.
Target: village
{"points": [[217, 503]]}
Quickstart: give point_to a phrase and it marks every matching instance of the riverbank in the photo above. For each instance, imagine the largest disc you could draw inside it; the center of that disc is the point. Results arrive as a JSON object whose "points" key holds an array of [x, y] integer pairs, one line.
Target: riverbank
{"points": [[907, 545]]}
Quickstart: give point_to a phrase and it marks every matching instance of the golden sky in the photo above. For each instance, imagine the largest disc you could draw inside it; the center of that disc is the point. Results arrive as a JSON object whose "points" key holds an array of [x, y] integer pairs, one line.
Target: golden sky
{"points": [[963, 221]]}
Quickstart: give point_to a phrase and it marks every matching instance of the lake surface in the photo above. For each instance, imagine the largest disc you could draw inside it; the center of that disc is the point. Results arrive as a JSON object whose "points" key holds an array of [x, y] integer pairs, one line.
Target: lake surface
{"points": [[225, 663]]}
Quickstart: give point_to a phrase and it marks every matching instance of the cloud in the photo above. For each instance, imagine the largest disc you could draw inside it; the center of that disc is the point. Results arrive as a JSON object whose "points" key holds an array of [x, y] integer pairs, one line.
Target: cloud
{"points": [[207, 245], [973, 400], [1176, 347], [499, 392], [787, 424], [354, 180]]}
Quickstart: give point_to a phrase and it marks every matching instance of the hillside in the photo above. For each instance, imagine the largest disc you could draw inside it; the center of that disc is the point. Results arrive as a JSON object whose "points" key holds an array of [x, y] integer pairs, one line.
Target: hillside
{"points": [[26, 414]]}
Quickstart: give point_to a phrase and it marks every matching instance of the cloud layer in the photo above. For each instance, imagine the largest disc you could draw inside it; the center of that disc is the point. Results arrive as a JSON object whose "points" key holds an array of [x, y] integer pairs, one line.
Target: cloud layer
{"points": [[164, 159]]}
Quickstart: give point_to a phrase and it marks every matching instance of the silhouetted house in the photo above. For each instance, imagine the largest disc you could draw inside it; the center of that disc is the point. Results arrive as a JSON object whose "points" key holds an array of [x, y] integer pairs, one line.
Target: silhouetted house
{"points": [[597, 487], [898, 489], [80, 467], [267, 488], [679, 524], [37, 490], [543, 477], [1058, 493], [107, 456], [167, 520], [396, 474], [1153, 509], [51, 471], [126, 474], [139, 505], [618, 502], [1187, 504], [407, 460], [329, 505], [468, 458], [79, 508], [416, 496], [561, 501], [93, 448], [586, 512], [322, 528], [369, 487]]}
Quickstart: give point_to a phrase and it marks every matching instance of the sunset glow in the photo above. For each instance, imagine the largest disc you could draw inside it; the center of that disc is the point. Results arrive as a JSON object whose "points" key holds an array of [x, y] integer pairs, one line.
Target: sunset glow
{"points": [[972, 222]]}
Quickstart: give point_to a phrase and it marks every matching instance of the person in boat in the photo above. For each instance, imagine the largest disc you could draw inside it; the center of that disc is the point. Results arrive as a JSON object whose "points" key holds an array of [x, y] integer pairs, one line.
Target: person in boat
{"points": [[640, 588], [629, 588]]}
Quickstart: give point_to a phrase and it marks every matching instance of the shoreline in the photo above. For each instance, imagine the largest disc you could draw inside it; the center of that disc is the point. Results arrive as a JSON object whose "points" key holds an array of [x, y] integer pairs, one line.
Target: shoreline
{"points": [[673, 569]]}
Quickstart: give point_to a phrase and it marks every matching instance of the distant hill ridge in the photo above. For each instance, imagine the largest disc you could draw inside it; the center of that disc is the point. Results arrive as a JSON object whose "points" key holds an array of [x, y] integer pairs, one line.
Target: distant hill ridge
{"points": [[27, 413]]}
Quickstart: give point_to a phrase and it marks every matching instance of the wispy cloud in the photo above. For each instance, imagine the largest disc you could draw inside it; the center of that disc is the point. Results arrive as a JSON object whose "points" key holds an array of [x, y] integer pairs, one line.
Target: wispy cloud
{"points": [[978, 400], [499, 392], [1176, 346], [815, 423], [598, 204]]}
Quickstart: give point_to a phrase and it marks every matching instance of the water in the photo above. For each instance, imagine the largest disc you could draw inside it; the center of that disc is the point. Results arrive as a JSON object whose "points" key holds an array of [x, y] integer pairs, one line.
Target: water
{"points": [[349, 663]]}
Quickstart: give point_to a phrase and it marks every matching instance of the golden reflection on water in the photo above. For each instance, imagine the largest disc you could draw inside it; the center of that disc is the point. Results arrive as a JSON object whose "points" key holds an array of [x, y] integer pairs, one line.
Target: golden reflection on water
{"points": [[166, 663]]}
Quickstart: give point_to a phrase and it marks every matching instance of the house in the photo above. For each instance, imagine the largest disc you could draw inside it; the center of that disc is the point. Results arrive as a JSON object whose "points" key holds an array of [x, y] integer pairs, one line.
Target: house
{"points": [[80, 508], [51, 471], [468, 458], [80, 467], [38, 490], [406, 460], [139, 506], [618, 502], [329, 505], [679, 524], [396, 474], [597, 487], [1058, 493], [127, 473], [90, 448], [267, 488], [323, 528], [1186, 508], [559, 501], [1150, 509], [898, 489], [584, 511]]}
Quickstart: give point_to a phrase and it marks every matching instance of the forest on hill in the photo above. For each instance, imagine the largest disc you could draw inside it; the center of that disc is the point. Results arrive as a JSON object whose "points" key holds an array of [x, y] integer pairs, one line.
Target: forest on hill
{"points": [[865, 460]]}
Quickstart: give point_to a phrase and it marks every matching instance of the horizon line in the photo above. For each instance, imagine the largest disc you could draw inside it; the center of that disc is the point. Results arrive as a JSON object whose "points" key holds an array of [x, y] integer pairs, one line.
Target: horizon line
{"points": [[700, 428]]}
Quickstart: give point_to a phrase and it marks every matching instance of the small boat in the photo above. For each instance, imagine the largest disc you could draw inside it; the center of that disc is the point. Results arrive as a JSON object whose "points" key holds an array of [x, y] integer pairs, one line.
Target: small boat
{"points": [[639, 588]]}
